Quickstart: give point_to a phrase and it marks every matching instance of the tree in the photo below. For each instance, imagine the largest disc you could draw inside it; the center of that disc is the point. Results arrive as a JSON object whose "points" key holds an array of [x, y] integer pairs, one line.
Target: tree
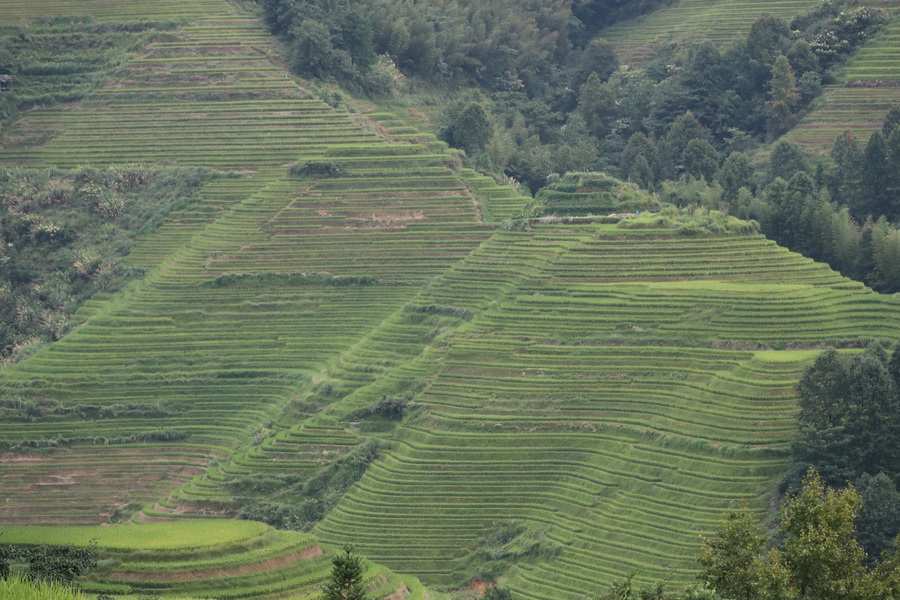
{"points": [[471, 129], [497, 593], [731, 561], [684, 129], [786, 159], [803, 60], [872, 415], [783, 91], [597, 104], [849, 417], [599, 57], [639, 154], [876, 180], [891, 197], [700, 159], [313, 53], [822, 390], [736, 173], [821, 552], [878, 520], [357, 36], [848, 158], [818, 558], [346, 577]]}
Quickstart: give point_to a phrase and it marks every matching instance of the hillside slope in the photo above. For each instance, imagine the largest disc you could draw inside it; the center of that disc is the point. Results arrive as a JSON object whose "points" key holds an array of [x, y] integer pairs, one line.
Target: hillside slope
{"points": [[586, 399], [867, 84]]}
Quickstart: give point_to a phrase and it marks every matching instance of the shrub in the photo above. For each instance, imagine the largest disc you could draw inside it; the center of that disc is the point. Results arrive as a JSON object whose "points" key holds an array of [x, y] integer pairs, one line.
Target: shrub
{"points": [[317, 169]]}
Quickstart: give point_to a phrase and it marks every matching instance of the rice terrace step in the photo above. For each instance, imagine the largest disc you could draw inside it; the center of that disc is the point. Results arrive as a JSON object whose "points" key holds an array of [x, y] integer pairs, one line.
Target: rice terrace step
{"points": [[609, 389]]}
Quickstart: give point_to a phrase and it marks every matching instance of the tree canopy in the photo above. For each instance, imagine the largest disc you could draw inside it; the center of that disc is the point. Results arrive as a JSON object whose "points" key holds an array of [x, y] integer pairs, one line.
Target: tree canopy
{"points": [[346, 581], [814, 553]]}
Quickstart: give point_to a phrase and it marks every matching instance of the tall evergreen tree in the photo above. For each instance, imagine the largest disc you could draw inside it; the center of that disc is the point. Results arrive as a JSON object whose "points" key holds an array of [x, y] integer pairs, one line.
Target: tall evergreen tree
{"points": [[784, 96], [875, 180], [346, 577]]}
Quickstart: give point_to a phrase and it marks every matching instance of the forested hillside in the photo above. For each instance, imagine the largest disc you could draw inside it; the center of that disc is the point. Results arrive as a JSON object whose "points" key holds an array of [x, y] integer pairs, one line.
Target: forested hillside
{"points": [[477, 288]]}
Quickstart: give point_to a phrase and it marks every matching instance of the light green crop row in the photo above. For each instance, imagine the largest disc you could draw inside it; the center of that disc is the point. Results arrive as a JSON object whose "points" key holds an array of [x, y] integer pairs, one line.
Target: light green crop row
{"points": [[147, 536]]}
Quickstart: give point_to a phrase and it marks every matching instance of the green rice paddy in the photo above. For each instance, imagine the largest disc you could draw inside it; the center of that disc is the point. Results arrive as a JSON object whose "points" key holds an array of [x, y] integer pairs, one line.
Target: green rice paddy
{"points": [[149, 536], [610, 389]]}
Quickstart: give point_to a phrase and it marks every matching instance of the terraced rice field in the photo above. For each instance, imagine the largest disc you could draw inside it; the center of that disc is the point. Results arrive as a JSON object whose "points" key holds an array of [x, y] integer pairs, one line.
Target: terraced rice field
{"points": [[64, 487], [214, 364], [860, 110], [224, 559], [868, 83], [868, 89], [612, 390], [716, 21], [106, 10], [571, 405]]}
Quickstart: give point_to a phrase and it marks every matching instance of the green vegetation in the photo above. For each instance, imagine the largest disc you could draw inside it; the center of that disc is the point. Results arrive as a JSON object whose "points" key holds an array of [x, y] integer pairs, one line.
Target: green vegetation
{"points": [[591, 193], [19, 588], [346, 577], [228, 559], [301, 506], [691, 221], [150, 536], [50, 563], [817, 558], [848, 424], [58, 59], [63, 238], [352, 333]]}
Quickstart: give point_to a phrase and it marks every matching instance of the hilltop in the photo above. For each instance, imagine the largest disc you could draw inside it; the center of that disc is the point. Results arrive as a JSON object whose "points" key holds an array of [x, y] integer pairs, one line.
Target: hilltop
{"points": [[342, 330]]}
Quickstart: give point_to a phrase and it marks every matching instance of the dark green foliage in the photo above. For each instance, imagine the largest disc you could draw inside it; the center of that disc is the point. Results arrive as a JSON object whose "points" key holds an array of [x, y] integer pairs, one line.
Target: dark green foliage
{"points": [[817, 556], [470, 128], [598, 57], [736, 173], [849, 430], [700, 159], [550, 96], [60, 564], [730, 560], [684, 129], [829, 217], [300, 505], [346, 577], [849, 418], [312, 52], [878, 520], [287, 280], [64, 236], [783, 97], [597, 105], [867, 180], [497, 593], [391, 408], [639, 154], [317, 169], [592, 193], [786, 160]]}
